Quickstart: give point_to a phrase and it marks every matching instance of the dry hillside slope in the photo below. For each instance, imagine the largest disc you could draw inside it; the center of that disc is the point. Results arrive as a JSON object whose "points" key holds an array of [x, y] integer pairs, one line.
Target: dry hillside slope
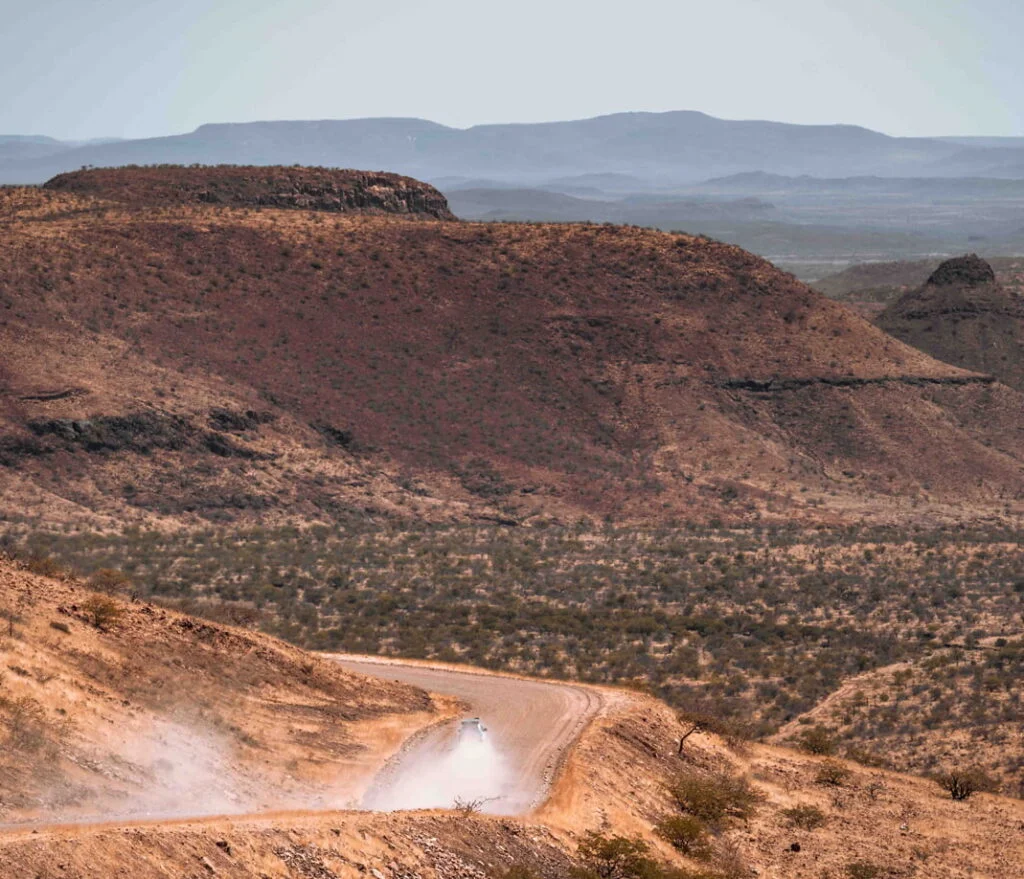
{"points": [[170, 359], [116, 708]]}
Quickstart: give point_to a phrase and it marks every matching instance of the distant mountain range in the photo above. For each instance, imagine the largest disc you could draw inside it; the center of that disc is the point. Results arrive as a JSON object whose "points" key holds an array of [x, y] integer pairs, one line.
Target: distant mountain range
{"points": [[662, 148]]}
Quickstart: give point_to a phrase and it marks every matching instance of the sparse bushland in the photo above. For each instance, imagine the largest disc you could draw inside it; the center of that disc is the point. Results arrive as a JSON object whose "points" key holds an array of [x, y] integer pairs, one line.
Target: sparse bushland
{"points": [[740, 629], [461, 371]]}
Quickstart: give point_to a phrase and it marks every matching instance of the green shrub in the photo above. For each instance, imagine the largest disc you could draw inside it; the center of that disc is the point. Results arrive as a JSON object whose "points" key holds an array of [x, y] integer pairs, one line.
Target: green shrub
{"points": [[805, 817], [832, 772], [714, 797], [686, 834], [101, 611], [615, 857], [817, 740]]}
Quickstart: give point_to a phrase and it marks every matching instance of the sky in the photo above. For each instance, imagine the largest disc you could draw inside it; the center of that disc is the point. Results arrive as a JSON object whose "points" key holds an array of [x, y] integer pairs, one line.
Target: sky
{"points": [[79, 69]]}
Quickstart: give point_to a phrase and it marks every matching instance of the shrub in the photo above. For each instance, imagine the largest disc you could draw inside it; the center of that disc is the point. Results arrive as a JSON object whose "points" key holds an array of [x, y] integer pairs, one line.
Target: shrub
{"points": [[733, 730], [960, 784], [25, 722], [817, 740], [43, 565], [805, 817], [832, 772], [110, 580], [714, 797], [615, 857], [687, 835], [101, 611]]}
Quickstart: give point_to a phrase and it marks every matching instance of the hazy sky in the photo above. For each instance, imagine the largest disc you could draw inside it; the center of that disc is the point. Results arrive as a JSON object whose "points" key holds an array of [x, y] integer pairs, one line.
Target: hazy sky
{"points": [[131, 68]]}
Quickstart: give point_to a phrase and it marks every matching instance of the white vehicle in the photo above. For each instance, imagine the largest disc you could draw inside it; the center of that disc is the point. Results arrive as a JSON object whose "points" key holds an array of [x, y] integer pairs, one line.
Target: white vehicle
{"points": [[472, 726]]}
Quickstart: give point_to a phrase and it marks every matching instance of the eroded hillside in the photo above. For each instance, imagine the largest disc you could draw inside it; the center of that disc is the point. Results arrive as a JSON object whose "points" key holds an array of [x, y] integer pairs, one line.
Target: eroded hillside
{"points": [[178, 361], [119, 708]]}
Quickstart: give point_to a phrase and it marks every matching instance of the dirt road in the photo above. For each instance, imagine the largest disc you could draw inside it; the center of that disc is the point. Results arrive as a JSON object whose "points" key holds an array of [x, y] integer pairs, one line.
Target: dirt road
{"points": [[530, 725]]}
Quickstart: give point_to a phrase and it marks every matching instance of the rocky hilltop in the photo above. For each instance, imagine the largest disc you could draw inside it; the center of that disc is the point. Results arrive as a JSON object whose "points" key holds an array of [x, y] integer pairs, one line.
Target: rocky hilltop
{"points": [[310, 189], [963, 316], [249, 364]]}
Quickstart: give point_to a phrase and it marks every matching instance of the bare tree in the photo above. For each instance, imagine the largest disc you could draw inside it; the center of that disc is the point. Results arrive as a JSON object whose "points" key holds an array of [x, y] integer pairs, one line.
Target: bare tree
{"points": [[696, 727]]}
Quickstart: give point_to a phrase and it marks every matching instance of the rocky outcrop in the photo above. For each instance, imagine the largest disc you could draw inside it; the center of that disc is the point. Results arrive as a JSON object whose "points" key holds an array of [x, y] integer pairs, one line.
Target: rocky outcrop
{"points": [[779, 385], [963, 271], [963, 316], [310, 189], [137, 432]]}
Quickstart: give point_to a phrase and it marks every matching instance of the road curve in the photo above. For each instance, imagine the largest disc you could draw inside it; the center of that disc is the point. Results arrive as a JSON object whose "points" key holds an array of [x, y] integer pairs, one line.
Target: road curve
{"points": [[530, 726]]}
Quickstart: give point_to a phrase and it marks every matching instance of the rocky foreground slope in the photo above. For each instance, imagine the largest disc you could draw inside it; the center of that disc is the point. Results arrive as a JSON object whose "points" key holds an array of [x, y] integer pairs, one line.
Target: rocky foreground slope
{"points": [[219, 718], [171, 359]]}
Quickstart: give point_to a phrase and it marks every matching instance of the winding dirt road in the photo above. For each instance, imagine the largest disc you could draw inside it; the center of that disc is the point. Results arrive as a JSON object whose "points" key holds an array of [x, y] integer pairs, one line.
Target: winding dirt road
{"points": [[530, 726]]}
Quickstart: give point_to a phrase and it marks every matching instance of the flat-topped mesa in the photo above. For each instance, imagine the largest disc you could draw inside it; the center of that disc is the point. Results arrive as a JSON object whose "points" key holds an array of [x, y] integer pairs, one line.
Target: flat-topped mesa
{"points": [[308, 189]]}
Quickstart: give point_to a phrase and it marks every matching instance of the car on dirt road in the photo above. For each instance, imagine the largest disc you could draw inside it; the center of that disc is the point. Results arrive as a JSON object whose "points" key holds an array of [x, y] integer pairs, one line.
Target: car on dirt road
{"points": [[472, 727]]}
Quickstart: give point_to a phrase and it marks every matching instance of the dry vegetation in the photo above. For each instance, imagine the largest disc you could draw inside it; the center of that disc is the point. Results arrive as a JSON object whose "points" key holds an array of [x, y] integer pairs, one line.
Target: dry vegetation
{"points": [[629, 803], [906, 647]]}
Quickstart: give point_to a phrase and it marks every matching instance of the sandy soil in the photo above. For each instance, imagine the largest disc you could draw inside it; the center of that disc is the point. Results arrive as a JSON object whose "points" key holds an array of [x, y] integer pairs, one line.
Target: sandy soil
{"points": [[530, 725]]}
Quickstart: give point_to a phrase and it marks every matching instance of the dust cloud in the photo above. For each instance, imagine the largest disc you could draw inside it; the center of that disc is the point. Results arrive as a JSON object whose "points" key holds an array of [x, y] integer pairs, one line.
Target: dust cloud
{"points": [[179, 772], [459, 769], [163, 770]]}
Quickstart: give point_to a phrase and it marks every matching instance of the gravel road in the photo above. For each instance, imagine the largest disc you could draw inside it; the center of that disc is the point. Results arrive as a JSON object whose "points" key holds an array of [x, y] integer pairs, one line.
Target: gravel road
{"points": [[530, 725]]}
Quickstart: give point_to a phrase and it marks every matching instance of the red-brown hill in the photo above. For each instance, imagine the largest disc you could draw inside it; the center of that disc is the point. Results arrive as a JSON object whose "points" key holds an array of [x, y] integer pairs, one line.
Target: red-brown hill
{"points": [[964, 316], [190, 359]]}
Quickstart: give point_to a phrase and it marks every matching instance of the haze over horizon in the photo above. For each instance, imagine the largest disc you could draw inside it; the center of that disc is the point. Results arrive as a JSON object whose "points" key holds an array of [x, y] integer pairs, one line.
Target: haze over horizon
{"points": [[944, 68]]}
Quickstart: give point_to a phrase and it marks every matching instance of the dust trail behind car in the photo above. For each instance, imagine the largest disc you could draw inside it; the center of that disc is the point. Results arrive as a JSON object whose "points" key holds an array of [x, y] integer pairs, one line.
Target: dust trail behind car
{"points": [[507, 765]]}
